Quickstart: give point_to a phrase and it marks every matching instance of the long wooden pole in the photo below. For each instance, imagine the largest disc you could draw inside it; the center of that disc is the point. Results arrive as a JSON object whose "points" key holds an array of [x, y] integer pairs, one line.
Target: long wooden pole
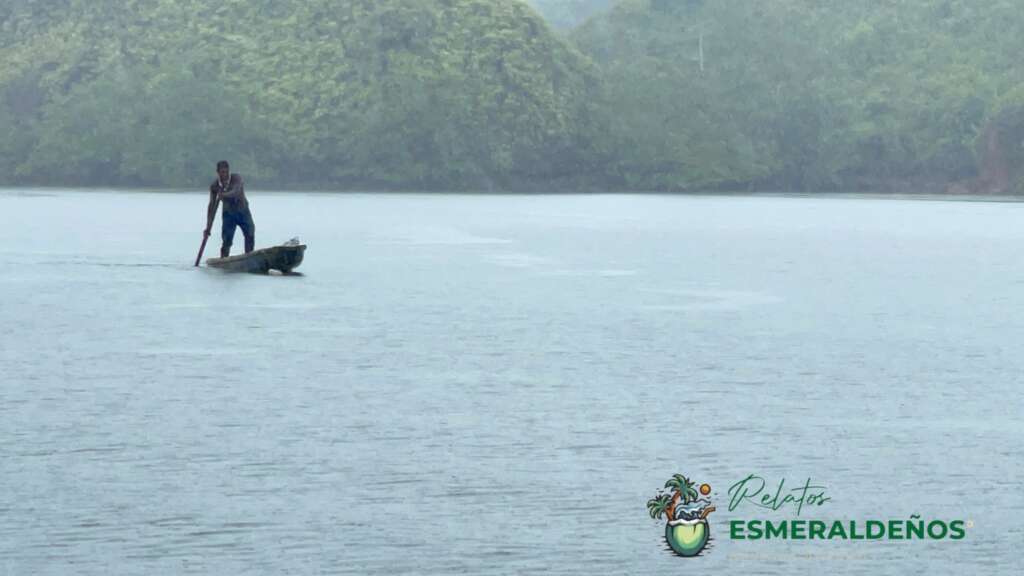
{"points": [[202, 248], [206, 236]]}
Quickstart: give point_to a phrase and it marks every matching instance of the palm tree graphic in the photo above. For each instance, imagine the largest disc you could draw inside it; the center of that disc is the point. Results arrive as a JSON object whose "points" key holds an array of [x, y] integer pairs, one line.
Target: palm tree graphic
{"points": [[686, 531]]}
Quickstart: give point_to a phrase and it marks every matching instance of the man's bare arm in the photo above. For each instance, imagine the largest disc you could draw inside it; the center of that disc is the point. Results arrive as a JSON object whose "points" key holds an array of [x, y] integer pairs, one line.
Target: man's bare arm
{"points": [[211, 211]]}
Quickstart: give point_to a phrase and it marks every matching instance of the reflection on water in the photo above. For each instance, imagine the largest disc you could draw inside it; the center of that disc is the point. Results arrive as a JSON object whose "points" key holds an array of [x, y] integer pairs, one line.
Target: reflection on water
{"points": [[492, 385]]}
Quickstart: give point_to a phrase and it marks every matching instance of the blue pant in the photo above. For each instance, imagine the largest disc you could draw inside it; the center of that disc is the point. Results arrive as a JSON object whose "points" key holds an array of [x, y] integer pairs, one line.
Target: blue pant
{"points": [[243, 220]]}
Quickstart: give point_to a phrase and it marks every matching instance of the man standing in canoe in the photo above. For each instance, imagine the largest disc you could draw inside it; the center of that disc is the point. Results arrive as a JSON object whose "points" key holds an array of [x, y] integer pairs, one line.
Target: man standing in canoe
{"points": [[228, 189]]}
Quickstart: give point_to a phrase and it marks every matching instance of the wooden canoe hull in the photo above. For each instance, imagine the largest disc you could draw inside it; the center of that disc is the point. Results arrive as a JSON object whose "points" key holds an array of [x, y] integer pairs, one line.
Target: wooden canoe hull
{"points": [[281, 258]]}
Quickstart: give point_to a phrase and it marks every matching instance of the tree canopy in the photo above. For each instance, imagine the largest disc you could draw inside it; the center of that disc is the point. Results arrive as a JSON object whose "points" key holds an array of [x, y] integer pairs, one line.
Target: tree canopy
{"points": [[384, 93], [804, 94], [484, 94]]}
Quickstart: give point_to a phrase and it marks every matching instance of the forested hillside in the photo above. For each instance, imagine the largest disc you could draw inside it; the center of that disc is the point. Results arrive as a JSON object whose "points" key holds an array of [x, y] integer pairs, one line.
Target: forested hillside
{"points": [[809, 94], [481, 94], [377, 93]]}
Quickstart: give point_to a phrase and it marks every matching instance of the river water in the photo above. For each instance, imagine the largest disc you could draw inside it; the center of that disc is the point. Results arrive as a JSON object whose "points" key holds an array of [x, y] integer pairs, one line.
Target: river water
{"points": [[498, 384]]}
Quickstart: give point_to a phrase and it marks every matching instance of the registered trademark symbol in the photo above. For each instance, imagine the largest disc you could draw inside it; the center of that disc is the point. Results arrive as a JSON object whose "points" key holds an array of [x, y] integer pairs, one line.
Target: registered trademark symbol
{"points": [[970, 523]]}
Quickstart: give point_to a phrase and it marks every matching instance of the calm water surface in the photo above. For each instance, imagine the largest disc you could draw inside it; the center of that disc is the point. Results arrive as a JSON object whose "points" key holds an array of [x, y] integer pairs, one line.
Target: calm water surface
{"points": [[496, 385]]}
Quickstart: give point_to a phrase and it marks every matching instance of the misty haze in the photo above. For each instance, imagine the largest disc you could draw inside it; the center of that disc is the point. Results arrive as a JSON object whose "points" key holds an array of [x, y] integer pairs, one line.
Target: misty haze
{"points": [[452, 286]]}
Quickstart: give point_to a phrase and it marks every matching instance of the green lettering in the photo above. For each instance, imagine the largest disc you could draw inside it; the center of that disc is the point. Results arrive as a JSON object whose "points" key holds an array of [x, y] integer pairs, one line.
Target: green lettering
{"points": [[796, 529], [817, 529], [837, 531], [779, 531], [853, 531], [876, 529], [736, 530], [754, 527], [895, 530], [956, 530], [915, 529], [941, 529]]}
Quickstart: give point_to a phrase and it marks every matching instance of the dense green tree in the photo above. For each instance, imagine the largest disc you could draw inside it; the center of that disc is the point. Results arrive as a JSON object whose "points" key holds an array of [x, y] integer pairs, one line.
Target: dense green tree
{"points": [[384, 93], [482, 94], [807, 94]]}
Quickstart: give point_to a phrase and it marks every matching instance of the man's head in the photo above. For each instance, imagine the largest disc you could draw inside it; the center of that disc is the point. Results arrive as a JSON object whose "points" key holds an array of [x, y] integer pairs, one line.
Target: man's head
{"points": [[223, 169]]}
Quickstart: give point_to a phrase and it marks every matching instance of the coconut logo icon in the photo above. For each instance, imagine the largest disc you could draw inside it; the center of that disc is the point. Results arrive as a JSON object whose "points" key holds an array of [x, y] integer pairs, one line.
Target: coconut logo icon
{"points": [[685, 509]]}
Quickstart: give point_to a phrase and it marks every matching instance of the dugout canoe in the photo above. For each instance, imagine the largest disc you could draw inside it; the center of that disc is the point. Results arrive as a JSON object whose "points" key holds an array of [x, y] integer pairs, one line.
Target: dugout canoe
{"points": [[284, 259]]}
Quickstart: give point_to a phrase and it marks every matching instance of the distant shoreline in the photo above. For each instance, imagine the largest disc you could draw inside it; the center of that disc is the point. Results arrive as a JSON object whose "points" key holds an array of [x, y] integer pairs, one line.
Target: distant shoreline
{"points": [[904, 195]]}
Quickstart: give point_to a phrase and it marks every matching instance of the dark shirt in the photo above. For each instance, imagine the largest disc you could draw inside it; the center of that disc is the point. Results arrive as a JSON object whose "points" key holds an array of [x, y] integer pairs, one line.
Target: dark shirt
{"points": [[236, 204]]}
